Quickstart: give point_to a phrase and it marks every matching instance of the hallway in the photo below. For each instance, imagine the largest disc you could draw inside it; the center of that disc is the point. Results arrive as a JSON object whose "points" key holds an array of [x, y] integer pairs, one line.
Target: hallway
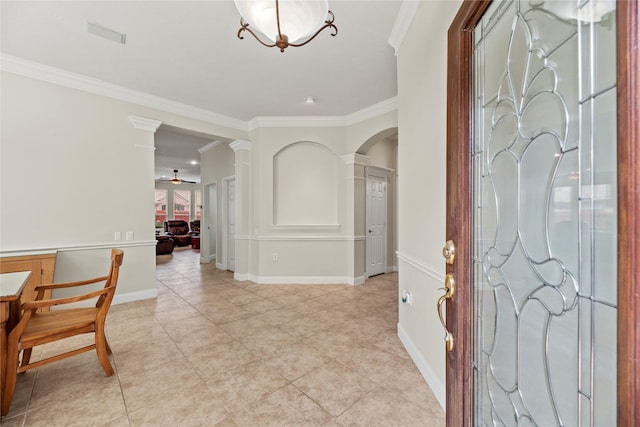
{"points": [[213, 351]]}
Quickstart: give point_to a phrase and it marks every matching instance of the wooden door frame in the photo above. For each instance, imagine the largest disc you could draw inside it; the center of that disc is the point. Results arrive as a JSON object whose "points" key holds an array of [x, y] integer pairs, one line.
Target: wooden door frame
{"points": [[459, 137]]}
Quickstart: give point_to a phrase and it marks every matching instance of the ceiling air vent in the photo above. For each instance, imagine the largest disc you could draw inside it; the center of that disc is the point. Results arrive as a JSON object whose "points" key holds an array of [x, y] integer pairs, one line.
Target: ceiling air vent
{"points": [[106, 33]]}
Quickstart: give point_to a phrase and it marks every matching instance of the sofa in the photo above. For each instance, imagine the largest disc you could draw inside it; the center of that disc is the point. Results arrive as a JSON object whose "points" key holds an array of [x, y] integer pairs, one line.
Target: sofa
{"points": [[195, 227], [164, 245], [178, 230]]}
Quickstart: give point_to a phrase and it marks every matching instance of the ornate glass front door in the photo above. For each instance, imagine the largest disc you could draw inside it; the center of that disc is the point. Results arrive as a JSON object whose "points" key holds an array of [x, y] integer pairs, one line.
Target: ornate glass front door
{"points": [[544, 214]]}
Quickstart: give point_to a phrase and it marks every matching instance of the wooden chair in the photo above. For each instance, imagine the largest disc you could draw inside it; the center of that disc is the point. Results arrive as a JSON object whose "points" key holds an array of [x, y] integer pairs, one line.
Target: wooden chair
{"points": [[37, 328]]}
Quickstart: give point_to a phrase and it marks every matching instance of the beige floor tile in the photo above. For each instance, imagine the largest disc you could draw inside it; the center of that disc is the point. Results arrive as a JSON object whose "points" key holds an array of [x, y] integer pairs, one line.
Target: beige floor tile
{"points": [[78, 401], [333, 342], [287, 406], [383, 409], [331, 316], [261, 306], [302, 327], [57, 382], [288, 298], [146, 356], [187, 406], [268, 342], [161, 383], [246, 326], [191, 342], [408, 384], [216, 360], [372, 362], [296, 360], [280, 316], [226, 314], [13, 420], [334, 387], [22, 394], [242, 386], [213, 351]]}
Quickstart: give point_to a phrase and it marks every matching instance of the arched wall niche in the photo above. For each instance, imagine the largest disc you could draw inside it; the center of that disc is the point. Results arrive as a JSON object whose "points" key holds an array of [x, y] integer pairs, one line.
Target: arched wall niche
{"points": [[305, 185]]}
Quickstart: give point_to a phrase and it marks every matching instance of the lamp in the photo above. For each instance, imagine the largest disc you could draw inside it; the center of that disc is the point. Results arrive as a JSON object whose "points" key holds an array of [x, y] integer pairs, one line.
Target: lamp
{"points": [[175, 179], [286, 22]]}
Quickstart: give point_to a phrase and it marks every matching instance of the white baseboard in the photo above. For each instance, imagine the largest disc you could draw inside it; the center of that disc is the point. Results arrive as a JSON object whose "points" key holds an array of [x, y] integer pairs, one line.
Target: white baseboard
{"points": [[301, 280], [204, 260], [134, 296], [392, 269], [438, 388], [117, 299], [242, 277]]}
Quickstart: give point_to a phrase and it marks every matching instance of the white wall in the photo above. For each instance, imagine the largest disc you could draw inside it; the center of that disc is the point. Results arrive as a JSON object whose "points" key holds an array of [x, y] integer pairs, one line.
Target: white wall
{"points": [[322, 246], [384, 154], [216, 164], [74, 170], [422, 82]]}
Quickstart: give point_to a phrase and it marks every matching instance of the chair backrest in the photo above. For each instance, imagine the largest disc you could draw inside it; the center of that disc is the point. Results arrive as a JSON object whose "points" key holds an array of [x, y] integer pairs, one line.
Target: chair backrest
{"points": [[112, 279], [177, 227], [195, 225]]}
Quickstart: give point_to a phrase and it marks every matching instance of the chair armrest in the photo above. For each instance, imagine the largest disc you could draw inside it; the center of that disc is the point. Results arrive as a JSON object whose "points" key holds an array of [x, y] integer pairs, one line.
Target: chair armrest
{"points": [[69, 284], [58, 301]]}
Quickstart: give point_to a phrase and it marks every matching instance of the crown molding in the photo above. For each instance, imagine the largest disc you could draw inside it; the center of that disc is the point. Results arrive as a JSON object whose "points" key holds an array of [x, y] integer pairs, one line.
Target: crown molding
{"points": [[367, 113], [404, 18], [23, 67]]}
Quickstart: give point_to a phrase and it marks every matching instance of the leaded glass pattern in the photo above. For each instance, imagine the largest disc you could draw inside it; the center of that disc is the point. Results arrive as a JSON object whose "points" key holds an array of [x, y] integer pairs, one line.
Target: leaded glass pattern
{"points": [[544, 214]]}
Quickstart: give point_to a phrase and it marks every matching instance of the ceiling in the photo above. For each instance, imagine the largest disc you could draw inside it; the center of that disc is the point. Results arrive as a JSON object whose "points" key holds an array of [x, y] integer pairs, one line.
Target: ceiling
{"points": [[188, 52]]}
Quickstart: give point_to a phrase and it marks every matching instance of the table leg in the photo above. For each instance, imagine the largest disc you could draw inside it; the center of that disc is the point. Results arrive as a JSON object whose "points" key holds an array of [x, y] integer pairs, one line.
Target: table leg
{"points": [[4, 315]]}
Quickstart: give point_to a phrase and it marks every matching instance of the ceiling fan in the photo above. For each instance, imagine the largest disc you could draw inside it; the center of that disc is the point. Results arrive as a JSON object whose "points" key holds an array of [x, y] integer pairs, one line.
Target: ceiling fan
{"points": [[176, 180]]}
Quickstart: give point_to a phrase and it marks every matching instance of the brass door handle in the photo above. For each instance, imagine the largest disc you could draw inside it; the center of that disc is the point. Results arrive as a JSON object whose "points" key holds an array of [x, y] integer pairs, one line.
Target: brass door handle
{"points": [[450, 290]]}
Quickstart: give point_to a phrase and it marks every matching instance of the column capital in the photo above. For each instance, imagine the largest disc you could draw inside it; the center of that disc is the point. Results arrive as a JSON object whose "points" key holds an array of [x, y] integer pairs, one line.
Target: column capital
{"points": [[355, 159], [144, 123], [240, 144]]}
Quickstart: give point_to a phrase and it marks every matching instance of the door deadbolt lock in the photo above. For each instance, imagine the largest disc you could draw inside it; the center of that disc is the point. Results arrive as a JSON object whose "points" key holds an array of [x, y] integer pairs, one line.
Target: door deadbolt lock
{"points": [[449, 252]]}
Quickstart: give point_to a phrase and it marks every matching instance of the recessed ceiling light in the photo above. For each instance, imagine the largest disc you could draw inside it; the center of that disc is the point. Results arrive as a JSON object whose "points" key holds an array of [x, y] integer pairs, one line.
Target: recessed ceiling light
{"points": [[310, 100], [194, 162]]}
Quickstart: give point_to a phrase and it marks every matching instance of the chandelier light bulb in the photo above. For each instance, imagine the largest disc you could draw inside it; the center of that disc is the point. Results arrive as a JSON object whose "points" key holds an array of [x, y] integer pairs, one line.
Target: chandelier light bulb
{"points": [[284, 22]]}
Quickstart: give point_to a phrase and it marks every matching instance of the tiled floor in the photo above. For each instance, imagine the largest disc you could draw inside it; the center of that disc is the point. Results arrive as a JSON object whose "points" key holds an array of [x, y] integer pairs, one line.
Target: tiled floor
{"points": [[211, 351]]}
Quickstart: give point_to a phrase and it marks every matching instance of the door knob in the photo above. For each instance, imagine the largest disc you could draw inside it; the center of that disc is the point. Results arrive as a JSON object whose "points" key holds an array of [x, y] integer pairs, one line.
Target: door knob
{"points": [[450, 290]]}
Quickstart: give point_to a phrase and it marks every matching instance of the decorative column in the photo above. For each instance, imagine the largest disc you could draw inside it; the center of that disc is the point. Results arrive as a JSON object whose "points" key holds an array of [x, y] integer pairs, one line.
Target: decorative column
{"points": [[242, 150], [144, 171], [355, 202]]}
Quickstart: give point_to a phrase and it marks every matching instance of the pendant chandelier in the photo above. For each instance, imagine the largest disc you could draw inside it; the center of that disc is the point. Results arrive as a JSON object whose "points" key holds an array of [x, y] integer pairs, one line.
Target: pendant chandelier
{"points": [[286, 22]]}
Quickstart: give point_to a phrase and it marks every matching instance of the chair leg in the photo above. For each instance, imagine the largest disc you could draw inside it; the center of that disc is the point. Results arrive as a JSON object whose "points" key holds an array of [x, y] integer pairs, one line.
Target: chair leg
{"points": [[10, 378], [26, 356], [102, 348], [108, 348]]}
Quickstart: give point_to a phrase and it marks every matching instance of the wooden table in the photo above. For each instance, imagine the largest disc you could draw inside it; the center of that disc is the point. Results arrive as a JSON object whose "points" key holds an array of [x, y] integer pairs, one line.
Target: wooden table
{"points": [[11, 287]]}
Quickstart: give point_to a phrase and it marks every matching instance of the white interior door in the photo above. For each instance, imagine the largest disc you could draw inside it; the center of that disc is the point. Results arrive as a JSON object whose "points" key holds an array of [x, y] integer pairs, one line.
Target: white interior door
{"points": [[376, 225], [231, 223], [208, 230]]}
